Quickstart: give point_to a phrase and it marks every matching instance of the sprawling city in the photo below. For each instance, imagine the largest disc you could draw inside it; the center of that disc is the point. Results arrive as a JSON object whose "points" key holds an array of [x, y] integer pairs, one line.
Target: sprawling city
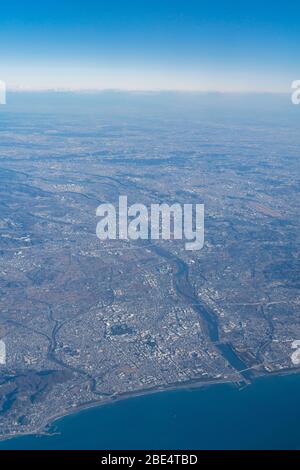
{"points": [[85, 321]]}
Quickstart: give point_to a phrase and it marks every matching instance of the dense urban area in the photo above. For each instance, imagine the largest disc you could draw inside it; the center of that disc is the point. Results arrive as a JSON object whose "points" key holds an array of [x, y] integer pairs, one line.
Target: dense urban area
{"points": [[85, 321]]}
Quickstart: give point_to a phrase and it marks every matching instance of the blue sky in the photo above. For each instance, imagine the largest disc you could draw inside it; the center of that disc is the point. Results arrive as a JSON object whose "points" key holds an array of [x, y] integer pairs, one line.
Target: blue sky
{"points": [[150, 44]]}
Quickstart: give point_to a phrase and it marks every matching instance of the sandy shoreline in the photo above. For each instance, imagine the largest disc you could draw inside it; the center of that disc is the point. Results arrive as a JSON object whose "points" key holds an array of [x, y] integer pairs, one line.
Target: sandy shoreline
{"points": [[46, 431], [42, 431]]}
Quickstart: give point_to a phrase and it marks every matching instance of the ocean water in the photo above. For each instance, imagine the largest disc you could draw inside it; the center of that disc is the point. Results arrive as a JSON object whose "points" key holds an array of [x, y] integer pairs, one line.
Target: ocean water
{"points": [[265, 415]]}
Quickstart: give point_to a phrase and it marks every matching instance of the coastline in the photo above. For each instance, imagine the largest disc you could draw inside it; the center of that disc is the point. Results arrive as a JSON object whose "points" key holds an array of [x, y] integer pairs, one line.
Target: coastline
{"points": [[45, 430]]}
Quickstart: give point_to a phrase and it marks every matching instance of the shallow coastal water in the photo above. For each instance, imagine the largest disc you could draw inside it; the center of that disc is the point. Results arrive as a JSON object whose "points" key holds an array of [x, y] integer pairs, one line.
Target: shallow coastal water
{"points": [[265, 415]]}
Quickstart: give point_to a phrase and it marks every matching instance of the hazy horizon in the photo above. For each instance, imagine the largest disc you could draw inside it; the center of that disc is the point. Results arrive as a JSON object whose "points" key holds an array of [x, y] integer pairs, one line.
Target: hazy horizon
{"points": [[158, 45]]}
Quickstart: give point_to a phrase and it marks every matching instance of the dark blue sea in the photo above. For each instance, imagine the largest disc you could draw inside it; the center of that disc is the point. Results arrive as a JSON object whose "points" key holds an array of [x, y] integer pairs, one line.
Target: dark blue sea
{"points": [[265, 415]]}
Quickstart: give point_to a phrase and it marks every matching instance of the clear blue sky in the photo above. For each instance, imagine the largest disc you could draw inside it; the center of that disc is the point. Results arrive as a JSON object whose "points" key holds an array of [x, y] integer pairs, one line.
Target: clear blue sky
{"points": [[150, 44]]}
